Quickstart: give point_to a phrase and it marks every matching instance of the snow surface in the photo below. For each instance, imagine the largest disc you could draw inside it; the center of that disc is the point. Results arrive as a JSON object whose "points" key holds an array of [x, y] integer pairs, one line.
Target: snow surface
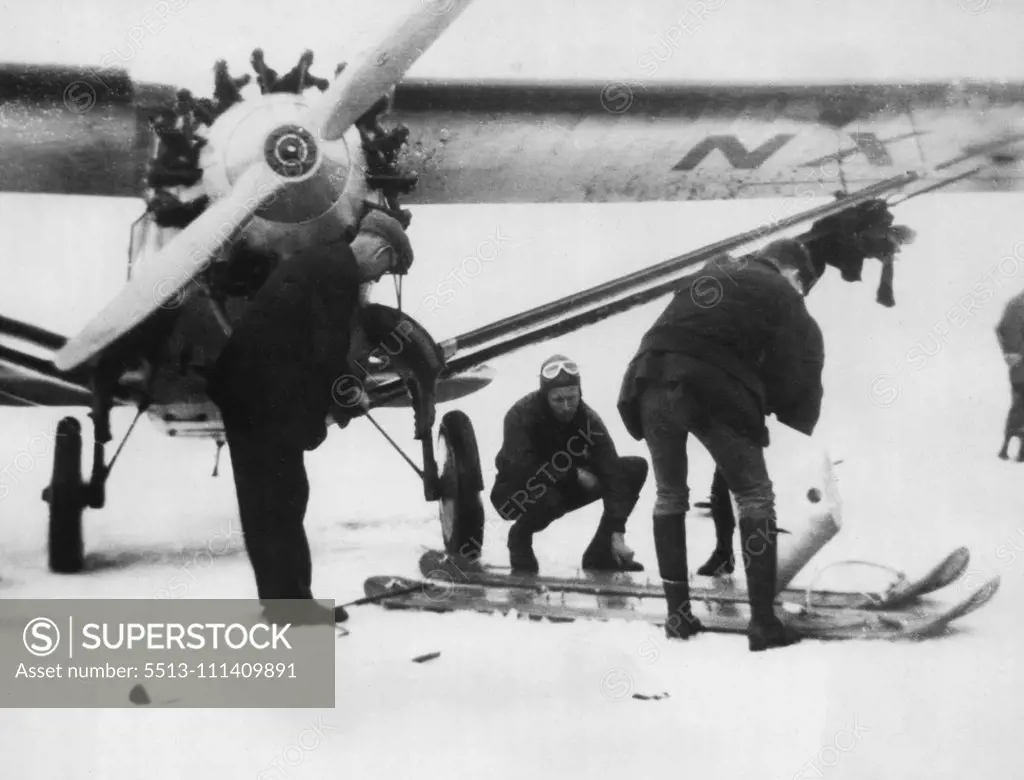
{"points": [[512, 698]]}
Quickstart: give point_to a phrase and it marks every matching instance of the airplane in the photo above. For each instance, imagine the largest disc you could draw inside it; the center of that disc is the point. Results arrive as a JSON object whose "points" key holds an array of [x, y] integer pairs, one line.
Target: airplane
{"points": [[236, 183]]}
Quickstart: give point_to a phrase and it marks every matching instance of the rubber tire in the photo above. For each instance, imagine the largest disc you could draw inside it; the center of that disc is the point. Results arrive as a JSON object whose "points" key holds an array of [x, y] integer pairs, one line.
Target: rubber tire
{"points": [[66, 548], [460, 508]]}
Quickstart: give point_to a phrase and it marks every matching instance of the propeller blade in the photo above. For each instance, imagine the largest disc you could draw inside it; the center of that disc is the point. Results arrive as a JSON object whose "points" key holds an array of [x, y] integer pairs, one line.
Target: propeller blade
{"points": [[164, 276], [381, 65]]}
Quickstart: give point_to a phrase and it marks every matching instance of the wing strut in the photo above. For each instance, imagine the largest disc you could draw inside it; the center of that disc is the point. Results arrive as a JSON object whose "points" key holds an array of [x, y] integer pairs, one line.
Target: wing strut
{"points": [[573, 312], [937, 185], [662, 271]]}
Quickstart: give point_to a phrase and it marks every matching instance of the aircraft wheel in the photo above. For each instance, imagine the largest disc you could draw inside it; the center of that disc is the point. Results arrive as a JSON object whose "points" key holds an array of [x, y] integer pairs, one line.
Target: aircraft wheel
{"points": [[66, 496], [460, 508]]}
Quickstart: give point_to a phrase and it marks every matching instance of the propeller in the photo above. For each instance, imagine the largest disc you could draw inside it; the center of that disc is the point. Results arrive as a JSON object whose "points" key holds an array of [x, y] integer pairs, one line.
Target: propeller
{"points": [[291, 158], [381, 66]]}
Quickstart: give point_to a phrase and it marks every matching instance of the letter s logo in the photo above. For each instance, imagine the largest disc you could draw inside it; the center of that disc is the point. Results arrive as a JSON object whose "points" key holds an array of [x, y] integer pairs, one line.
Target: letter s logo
{"points": [[41, 636]]}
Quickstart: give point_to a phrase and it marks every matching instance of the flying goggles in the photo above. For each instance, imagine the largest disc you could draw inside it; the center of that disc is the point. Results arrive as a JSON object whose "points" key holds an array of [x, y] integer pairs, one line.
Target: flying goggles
{"points": [[556, 367]]}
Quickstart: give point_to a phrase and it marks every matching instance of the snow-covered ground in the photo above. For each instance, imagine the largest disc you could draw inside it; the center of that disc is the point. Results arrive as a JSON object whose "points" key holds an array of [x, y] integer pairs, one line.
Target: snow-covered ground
{"points": [[513, 698]]}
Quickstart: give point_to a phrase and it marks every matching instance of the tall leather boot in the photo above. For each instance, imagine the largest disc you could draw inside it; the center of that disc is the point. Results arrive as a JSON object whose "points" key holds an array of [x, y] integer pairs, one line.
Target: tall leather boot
{"points": [[722, 560], [670, 547], [760, 559]]}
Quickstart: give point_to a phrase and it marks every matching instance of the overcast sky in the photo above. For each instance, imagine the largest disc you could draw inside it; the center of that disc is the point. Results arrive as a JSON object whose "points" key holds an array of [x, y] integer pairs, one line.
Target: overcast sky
{"points": [[177, 41]]}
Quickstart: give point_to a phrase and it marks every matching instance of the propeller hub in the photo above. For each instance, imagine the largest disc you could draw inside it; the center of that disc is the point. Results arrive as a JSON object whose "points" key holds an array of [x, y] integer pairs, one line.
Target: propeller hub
{"points": [[291, 151]]}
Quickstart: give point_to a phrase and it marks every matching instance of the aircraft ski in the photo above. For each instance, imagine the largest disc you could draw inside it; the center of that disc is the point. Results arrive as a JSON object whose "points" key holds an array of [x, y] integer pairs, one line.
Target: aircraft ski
{"points": [[439, 566], [732, 618]]}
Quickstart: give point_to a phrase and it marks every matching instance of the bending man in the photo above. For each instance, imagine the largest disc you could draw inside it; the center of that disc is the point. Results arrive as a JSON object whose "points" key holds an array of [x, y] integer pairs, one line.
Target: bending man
{"points": [[717, 371], [273, 384]]}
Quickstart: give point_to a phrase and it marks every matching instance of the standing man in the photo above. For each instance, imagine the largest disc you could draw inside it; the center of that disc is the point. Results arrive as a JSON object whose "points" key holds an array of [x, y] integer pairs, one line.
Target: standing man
{"points": [[716, 369], [1010, 332], [557, 456], [273, 384]]}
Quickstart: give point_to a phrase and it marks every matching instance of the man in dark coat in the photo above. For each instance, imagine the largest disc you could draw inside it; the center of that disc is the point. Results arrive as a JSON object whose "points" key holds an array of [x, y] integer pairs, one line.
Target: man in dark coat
{"points": [[273, 383], [557, 456], [735, 344], [1010, 332]]}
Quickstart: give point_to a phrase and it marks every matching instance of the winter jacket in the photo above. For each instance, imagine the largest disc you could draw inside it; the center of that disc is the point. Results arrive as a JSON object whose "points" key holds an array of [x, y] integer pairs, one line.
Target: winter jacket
{"points": [[538, 453], [1010, 333], [742, 340], [279, 366], [1010, 330]]}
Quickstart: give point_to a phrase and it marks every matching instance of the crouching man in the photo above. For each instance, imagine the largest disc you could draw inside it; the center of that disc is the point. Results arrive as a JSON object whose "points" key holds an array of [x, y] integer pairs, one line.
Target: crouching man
{"points": [[557, 456]]}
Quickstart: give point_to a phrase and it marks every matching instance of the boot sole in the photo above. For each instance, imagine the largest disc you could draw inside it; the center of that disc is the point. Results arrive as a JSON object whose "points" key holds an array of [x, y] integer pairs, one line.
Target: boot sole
{"points": [[684, 635], [716, 572], [760, 645]]}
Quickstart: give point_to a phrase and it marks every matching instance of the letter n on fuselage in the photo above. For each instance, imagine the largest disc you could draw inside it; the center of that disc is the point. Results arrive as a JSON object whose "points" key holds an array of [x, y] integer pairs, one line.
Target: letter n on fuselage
{"points": [[735, 152]]}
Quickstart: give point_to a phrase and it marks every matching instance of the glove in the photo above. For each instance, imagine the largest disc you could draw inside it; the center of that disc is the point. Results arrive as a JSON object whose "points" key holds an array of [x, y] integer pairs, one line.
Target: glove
{"points": [[350, 400]]}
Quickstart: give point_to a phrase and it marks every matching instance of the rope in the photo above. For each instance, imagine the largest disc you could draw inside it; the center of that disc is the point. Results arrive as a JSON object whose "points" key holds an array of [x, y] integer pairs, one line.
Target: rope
{"points": [[113, 460], [395, 445], [391, 593], [900, 579]]}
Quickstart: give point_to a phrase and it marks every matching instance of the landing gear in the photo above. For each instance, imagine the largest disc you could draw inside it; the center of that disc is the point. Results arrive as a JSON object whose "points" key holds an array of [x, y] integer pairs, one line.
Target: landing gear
{"points": [[66, 496], [459, 505]]}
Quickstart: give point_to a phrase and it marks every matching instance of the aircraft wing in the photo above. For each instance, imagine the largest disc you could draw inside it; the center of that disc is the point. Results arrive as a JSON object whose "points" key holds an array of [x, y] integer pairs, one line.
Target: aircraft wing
{"points": [[85, 131], [27, 375], [29, 378], [75, 131], [20, 386], [606, 142]]}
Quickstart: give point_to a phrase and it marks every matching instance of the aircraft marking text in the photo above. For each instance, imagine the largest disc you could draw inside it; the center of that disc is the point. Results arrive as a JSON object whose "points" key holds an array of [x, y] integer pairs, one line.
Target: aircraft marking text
{"points": [[874, 149]]}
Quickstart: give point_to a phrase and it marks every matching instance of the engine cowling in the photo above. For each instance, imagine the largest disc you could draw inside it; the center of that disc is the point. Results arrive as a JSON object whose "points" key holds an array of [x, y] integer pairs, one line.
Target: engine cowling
{"points": [[329, 185]]}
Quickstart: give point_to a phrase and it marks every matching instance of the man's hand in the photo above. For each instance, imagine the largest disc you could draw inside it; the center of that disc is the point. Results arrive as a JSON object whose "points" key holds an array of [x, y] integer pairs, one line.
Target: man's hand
{"points": [[350, 400], [621, 551], [343, 415], [363, 403], [1012, 359], [373, 262], [587, 480]]}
